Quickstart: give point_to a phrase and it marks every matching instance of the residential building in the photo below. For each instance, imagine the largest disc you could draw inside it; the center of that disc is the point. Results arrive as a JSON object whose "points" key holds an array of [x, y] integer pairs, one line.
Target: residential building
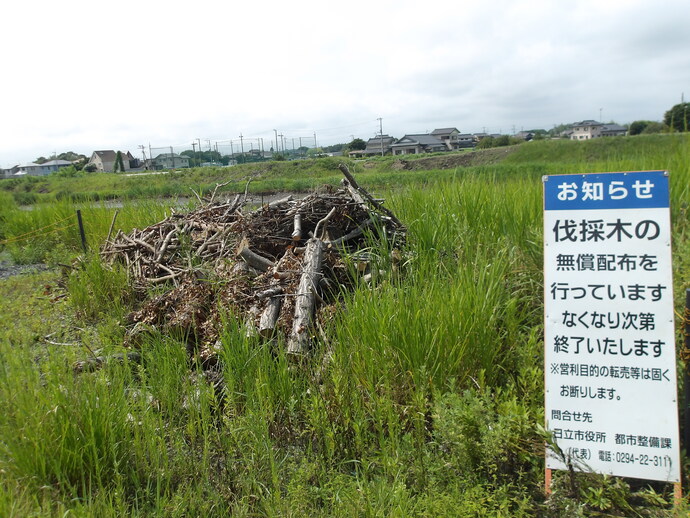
{"points": [[449, 136], [613, 130], [416, 143], [54, 165], [31, 169], [105, 160], [466, 140], [378, 145], [589, 129], [170, 161]]}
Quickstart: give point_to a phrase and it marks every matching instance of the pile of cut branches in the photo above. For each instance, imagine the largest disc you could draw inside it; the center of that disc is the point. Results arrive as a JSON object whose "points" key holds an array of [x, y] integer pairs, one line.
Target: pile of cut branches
{"points": [[279, 267]]}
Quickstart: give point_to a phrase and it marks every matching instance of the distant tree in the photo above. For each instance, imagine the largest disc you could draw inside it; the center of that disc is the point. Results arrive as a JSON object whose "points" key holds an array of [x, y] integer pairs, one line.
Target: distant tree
{"points": [[334, 148], [557, 130], [503, 140], [71, 156], [90, 168], [637, 127], [678, 117], [357, 145], [654, 127], [119, 164], [486, 143], [302, 150], [40, 160]]}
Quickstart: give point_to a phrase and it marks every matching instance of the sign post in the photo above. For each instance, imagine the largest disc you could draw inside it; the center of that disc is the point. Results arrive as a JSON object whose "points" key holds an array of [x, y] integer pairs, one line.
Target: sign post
{"points": [[609, 341]]}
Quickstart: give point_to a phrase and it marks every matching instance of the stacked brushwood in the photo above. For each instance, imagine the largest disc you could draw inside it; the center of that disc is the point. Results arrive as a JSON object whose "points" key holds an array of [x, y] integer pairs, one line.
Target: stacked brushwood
{"points": [[280, 268]]}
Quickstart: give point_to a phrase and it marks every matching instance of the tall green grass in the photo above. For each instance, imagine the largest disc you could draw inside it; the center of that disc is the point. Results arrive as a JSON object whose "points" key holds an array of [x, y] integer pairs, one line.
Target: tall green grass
{"points": [[423, 396]]}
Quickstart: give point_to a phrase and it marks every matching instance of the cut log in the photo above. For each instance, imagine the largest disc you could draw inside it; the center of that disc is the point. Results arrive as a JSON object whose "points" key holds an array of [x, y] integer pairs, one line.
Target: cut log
{"points": [[269, 317], [253, 259], [297, 225], [282, 201], [305, 301]]}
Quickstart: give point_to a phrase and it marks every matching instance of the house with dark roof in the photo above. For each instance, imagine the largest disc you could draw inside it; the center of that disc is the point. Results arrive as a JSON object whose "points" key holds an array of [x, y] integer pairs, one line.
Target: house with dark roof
{"points": [[589, 129], [54, 165], [466, 140], [613, 130], [104, 161], [378, 145], [449, 136], [416, 143]]}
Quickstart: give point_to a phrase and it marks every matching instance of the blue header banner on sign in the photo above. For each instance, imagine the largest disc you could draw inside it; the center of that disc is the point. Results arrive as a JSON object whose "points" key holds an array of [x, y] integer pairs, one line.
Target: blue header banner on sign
{"points": [[643, 190]]}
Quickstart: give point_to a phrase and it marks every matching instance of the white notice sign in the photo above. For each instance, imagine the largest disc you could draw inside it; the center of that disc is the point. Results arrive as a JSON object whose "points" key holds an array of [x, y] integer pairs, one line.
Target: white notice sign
{"points": [[609, 342]]}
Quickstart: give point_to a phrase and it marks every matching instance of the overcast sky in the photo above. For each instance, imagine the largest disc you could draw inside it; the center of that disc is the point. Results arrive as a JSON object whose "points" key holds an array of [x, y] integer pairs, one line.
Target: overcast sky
{"points": [[87, 75]]}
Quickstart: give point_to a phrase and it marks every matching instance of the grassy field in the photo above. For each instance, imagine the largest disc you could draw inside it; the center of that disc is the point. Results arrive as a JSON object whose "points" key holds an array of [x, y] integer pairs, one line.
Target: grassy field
{"points": [[431, 403]]}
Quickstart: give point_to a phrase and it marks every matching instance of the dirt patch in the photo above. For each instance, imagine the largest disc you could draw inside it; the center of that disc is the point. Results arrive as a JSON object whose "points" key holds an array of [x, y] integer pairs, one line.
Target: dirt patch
{"points": [[453, 160]]}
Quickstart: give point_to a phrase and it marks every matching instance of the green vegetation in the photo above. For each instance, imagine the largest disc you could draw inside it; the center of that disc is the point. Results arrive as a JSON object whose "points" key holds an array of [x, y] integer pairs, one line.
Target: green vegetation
{"points": [[678, 117], [423, 399]]}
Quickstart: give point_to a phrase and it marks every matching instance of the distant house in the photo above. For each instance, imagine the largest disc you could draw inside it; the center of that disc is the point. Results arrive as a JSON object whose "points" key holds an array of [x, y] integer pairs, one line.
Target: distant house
{"points": [[170, 161], [466, 140], [378, 145], [104, 161], [54, 165], [31, 169], [449, 136], [613, 130], [8, 172], [589, 129], [416, 143]]}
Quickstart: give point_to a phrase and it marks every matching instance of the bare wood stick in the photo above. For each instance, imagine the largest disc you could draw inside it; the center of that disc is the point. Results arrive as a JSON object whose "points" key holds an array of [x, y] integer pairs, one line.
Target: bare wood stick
{"points": [[158, 280], [270, 292], [297, 224], [352, 182], [281, 201], [353, 234], [233, 207], [246, 191], [164, 246], [323, 222], [253, 259], [213, 194], [112, 225], [305, 300], [197, 195], [135, 241]]}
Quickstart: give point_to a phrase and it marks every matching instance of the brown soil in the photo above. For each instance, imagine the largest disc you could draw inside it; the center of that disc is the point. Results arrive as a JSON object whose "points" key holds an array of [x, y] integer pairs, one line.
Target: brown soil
{"points": [[453, 160]]}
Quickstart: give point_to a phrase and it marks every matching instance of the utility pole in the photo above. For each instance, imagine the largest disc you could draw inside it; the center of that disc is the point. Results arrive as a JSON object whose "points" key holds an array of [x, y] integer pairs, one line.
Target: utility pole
{"points": [[172, 157], [199, 142], [194, 149], [315, 146], [143, 153], [276, 141], [242, 146], [380, 119]]}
